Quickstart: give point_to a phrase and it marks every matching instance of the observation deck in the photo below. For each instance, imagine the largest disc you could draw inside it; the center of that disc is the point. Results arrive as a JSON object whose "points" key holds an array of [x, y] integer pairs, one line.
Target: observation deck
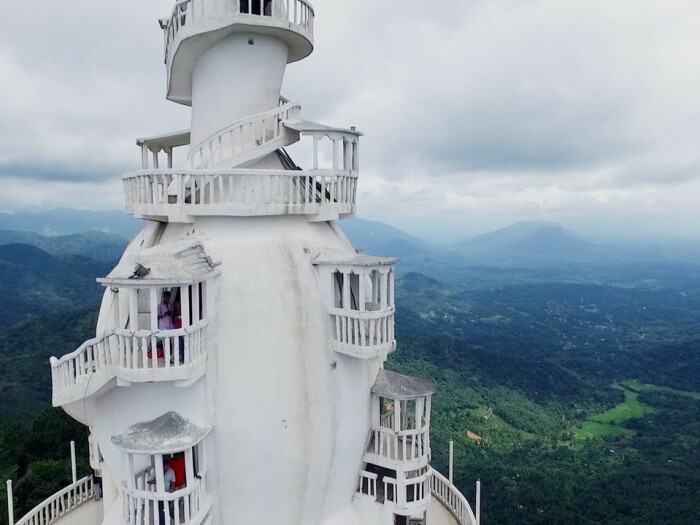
{"points": [[133, 348], [215, 186], [122, 357], [195, 25]]}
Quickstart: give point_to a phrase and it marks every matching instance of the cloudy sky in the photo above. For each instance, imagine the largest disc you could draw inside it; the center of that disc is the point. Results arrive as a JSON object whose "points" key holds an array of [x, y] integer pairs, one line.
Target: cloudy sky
{"points": [[477, 113]]}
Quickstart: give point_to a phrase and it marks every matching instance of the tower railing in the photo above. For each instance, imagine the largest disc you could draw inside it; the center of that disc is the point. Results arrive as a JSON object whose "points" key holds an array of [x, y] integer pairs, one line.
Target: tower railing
{"points": [[177, 195], [60, 504], [129, 354], [452, 499], [362, 334], [297, 14], [406, 446], [187, 506], [415, 493], [244, 136]]}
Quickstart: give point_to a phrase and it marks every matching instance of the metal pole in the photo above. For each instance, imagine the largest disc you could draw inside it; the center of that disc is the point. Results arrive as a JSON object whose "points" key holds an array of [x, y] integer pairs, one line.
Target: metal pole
{"points": [[72, 462], [478, 502], [10, 504], [452, 461]]}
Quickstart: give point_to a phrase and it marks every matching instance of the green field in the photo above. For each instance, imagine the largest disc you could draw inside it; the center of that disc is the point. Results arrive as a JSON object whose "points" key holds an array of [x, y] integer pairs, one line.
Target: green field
{"points": [[610, 423], [634, 386]]}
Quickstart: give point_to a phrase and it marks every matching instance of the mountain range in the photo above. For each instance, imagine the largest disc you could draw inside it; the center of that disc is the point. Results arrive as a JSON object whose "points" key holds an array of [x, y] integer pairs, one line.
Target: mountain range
{"points": [[103, 235]]}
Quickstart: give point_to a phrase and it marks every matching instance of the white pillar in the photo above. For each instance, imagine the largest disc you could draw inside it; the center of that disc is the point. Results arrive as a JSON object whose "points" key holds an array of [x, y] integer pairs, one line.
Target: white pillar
{"points": [[347, 304], [160, 475], [10, 504], [195, 303], [397, 415], [131, 474], [361, 290], [189, 467], [452, 461], [115, 308], [384, 294], [73, 465], [478, 502], [144, 157], [133, 309], [185, 306], [154, 308]]}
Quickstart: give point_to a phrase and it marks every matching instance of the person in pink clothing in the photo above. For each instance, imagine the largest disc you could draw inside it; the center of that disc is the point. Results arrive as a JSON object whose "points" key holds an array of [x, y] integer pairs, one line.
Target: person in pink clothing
{"points": [[165, 313]]}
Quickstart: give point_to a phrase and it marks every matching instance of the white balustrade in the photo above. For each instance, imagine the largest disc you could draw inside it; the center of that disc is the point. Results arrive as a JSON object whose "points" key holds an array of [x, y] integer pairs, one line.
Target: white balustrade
{"points": [[298, 15], [239, 192], [244, 136], [452, 499], [60, 503], [366, 331], [368, 483], [407, 445], [143, 506], [126, 350]]}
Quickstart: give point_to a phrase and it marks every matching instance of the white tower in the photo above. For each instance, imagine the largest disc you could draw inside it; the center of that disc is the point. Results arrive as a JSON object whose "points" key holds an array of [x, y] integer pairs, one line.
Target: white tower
{"points": [[241, 338]]}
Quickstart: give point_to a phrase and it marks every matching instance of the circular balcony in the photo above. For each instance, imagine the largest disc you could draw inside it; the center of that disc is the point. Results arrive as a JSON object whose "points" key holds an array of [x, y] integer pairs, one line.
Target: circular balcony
{"points": [[195, 25], [183, 195]]}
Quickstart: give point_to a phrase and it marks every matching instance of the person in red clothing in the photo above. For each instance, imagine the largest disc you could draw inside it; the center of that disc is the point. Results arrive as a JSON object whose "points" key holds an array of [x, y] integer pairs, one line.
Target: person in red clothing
{"points": [[178, 466]]}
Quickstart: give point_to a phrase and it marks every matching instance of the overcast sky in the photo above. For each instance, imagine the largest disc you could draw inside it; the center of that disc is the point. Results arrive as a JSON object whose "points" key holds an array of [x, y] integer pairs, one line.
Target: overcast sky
{"points": [[477, 113]]}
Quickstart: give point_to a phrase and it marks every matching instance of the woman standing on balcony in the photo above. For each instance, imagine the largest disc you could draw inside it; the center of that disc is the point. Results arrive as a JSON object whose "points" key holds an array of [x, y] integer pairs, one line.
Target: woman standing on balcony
{"points": [[165, 313]]}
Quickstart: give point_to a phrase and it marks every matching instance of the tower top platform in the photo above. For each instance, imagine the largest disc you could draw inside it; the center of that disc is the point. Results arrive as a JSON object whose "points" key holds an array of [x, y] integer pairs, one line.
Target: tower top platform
{"points": [[196, 25]]}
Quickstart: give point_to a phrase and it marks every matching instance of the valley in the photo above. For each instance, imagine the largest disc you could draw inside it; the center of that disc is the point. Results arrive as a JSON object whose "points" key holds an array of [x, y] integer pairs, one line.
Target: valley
{"points": [[570, 388]]}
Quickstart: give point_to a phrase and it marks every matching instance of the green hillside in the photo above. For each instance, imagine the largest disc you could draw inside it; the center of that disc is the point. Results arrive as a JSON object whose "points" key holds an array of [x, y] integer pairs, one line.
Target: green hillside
{"points": [[582, 382], [35, 283]]}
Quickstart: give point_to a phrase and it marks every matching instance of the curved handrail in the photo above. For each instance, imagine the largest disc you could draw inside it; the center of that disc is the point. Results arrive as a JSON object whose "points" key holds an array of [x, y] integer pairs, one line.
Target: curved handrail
{"points": [[453, 500], [180, 194], [130, 351], [367, 315], [59, 504], [244, 135], [55, 362]]}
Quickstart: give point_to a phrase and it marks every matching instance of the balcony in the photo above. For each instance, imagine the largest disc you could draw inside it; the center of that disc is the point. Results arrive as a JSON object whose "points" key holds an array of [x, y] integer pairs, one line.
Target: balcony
{"points": [[183, 195], [364, 335], [359, 292], [187, 506], [407, 449], [195, 25], [169, 443], [125, 356]]}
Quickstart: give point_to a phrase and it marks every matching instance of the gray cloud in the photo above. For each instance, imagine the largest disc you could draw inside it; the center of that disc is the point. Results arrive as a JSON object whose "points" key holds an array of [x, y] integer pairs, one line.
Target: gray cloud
{"points": [[482, 107]]}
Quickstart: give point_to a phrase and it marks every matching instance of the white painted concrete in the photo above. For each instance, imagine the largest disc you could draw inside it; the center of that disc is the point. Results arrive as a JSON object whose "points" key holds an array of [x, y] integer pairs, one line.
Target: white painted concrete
{"points": [[234, 79]]}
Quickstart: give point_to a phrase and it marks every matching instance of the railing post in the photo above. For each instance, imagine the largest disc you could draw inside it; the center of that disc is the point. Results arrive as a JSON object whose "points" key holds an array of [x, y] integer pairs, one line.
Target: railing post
{"points": [[478, 502], [10, 504], [74, 469], [452, 460]]}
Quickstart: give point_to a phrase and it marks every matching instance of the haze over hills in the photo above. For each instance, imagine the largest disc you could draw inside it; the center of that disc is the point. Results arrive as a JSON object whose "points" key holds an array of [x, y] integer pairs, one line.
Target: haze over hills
{"points": [[65, 221], [35, 283], [96, 244], [522, 243], [523, 343]]}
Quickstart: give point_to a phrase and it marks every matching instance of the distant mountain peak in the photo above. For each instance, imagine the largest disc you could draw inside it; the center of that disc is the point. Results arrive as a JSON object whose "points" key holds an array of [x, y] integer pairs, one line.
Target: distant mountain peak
{"points": [[530, 239]]}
